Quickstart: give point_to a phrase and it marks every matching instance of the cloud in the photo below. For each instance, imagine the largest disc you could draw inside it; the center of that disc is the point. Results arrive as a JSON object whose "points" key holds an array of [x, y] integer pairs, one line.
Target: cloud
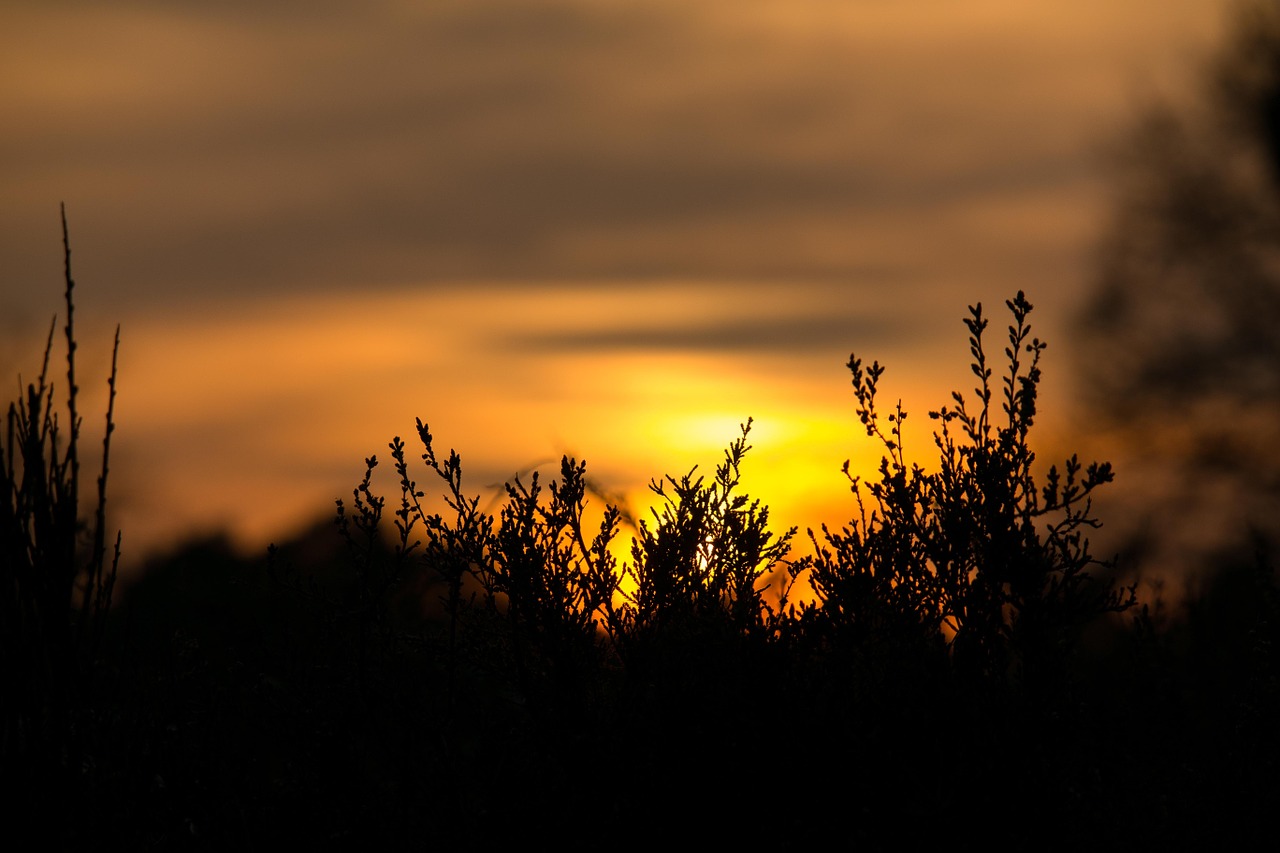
{"points": [[761, 335], [241, 147]]}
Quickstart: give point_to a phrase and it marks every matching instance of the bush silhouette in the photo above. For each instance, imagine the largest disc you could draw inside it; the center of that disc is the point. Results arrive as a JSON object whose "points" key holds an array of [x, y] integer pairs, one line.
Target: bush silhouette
{"points": [[975, 560], [971, 580], [974, 554], [55, 573]]}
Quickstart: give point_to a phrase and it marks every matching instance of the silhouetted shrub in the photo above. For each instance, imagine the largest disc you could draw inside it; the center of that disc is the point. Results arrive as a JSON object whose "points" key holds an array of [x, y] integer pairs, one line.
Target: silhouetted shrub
{"points": [[976, 555], [55, 576]]}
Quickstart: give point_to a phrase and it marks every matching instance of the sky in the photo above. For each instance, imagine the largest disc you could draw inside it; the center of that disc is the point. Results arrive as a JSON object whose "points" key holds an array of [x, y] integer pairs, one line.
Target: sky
{"points": [[606, 228]]}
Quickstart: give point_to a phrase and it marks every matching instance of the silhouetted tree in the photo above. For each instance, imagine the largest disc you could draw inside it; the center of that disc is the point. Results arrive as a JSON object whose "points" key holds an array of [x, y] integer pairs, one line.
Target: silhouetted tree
{"points": [[1188, 300], [1181, 336]]}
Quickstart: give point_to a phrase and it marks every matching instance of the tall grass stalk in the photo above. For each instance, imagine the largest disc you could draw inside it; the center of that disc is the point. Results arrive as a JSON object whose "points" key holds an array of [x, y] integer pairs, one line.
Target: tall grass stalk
{"points": [[55, 576]]}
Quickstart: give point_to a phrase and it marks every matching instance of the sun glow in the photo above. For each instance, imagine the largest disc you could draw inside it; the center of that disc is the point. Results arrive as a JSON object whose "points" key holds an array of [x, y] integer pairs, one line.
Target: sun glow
{"points": [[273, 405]]}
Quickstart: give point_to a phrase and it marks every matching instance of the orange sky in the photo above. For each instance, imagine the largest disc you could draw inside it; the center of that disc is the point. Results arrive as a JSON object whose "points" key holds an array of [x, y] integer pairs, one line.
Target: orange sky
{"points": [[615, 229]]}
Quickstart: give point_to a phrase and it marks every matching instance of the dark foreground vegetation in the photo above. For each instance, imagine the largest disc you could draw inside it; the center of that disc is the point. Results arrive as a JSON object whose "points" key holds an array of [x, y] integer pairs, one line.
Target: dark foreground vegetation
{"points": [[953, 667]]}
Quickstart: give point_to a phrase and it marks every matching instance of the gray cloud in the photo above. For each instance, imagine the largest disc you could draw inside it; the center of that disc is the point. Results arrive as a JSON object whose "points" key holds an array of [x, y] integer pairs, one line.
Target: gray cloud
{"points": [[237, 147], [789, 335]]}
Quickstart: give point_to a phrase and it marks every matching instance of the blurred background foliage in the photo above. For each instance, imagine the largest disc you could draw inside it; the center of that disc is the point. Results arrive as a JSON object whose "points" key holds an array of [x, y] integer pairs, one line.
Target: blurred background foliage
{"points": [[1179, 347]]}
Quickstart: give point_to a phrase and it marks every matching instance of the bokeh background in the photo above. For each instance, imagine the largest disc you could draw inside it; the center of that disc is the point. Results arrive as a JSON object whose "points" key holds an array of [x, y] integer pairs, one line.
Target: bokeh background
{"points": [[610, 229]]}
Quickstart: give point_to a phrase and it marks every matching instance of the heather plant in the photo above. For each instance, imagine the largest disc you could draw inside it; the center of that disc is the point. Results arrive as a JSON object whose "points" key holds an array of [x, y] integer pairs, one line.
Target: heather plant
{"points": [[976, 557], [554, 581], [951, 601], [976, 562], [377, 574], [568, 652], [570, 608], [55, 573], [698, 576]]}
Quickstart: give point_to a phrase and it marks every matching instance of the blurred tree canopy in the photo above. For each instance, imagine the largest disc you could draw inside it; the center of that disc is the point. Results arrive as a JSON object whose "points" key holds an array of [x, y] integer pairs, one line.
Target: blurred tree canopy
{"points": [[1181, 334], [1187, 305]]}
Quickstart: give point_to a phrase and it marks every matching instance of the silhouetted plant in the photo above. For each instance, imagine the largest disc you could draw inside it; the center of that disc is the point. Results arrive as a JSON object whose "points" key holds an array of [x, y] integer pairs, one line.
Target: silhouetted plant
{"points": [[976, 552], [457, 548], [555, 582], [703, 563], [977, 574], [376, 575], [559, 586], [55, 576]]}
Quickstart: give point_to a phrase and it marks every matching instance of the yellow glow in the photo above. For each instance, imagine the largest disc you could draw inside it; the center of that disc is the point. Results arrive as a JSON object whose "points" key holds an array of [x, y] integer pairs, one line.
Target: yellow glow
{"points": [[271, 406]]}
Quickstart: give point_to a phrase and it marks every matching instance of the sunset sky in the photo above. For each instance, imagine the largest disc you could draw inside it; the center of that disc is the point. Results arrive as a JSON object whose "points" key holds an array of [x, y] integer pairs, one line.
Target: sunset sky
{"points": [[600, 227]]}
